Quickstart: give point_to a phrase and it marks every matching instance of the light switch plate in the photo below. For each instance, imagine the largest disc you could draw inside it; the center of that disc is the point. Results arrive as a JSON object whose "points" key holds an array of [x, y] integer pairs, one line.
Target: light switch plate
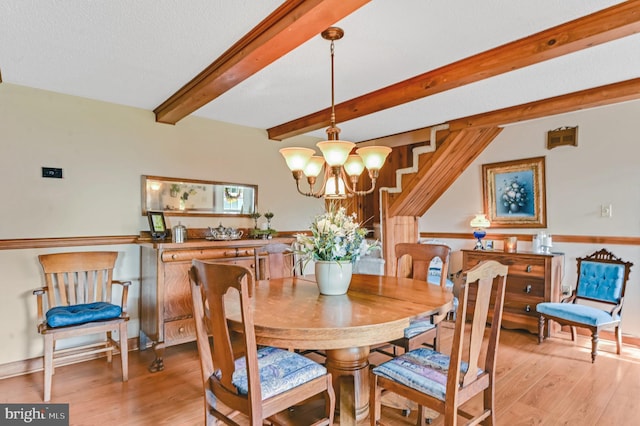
{"points": [[52, 172]]}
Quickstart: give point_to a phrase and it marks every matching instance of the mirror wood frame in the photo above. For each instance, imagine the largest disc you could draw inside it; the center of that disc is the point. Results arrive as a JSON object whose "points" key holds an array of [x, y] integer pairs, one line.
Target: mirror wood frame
{"points": [[195, 197]]}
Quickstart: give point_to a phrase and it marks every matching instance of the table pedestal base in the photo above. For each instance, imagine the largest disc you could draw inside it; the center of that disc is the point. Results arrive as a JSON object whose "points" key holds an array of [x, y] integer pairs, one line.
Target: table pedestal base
{"points": [[349, 368]]}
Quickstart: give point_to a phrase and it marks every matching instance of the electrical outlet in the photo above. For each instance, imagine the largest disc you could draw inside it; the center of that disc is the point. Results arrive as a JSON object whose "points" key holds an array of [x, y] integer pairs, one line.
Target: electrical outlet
{"points": [[606, 210], [51, 172]]}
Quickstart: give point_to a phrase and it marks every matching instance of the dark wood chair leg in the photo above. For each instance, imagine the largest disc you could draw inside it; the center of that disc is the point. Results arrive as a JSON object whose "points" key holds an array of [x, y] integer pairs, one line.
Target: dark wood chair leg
{"points": [[541, 329], [594, 345]]}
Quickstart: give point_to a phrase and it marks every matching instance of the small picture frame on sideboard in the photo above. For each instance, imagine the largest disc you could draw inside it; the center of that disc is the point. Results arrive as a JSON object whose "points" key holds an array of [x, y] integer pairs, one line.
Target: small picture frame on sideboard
{"points": [[157, 225]]}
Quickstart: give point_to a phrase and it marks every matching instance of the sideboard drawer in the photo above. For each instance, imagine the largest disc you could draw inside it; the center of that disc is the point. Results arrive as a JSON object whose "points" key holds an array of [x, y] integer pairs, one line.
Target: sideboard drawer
{"points": [[216, 253], [179, 331], [522, 265], [529, 287]]}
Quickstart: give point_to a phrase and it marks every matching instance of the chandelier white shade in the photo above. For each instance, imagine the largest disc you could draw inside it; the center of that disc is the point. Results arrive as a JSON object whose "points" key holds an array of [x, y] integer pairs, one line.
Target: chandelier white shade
{"points": [[296, 158]]}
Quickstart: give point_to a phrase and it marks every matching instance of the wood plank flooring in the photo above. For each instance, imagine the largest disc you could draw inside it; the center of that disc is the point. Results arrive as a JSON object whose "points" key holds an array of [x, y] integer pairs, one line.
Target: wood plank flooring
{"points": [[549, 384]]}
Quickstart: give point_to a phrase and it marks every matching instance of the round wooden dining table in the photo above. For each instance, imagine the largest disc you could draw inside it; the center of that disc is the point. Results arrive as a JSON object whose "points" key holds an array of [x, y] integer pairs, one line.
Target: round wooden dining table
{"points": [[291, 313]]}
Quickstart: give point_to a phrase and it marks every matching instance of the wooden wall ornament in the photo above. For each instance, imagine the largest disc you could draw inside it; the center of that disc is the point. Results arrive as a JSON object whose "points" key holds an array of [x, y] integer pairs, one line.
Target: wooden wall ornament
{"points": [[562, 136]]}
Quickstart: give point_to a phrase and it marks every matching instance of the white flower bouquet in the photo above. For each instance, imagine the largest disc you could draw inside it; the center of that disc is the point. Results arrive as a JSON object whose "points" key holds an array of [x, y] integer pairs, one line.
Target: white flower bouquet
{"points": [[335, 236]]}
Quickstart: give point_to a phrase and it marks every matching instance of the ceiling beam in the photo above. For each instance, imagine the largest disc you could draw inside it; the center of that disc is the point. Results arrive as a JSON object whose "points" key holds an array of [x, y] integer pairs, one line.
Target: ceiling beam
{"points": [[600, 27], [623, 91], [289, 26]]}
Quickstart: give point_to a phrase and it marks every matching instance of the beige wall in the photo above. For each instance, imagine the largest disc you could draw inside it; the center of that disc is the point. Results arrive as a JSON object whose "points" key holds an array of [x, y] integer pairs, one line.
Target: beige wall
{"points": [[103, 149], [602, 169]]}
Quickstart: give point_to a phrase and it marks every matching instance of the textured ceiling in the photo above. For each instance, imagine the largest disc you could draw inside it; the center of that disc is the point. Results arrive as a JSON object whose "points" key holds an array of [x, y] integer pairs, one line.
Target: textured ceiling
{"points": [[139, 53]]}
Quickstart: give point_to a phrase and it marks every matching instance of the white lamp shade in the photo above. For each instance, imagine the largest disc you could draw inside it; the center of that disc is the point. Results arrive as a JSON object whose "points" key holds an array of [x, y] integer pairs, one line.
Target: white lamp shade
{"points": [[335, 152], [330, 188], [314, 166], [373, 156], [480, 221], [354, 165], [296, 158]]}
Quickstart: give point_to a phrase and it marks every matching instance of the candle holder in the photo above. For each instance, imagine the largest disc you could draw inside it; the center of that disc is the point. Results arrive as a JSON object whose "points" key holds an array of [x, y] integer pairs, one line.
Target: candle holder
{"points": [[511, 244]]}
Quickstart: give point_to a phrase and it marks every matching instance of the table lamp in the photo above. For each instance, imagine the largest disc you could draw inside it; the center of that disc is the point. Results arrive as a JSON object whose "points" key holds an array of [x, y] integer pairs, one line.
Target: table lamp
{"points": [[479, 223]]}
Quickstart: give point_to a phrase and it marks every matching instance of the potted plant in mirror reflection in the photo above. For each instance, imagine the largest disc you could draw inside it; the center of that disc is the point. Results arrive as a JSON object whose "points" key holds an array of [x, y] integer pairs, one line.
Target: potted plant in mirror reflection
{"points": [[337, 241]]}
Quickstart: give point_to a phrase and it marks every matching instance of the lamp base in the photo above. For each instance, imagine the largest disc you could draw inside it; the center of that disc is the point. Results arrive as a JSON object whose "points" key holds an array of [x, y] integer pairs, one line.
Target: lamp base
{"points": [[479, 234]]}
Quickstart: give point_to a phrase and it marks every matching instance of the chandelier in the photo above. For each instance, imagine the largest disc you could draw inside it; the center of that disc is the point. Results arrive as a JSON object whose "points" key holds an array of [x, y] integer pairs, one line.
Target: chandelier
{"points": [[341, 169]]}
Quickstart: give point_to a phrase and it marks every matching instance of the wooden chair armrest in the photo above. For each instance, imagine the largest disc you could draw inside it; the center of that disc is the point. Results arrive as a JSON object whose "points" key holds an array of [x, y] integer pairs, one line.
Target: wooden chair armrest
{"points": [[570, 298], [125, 293], [39, 293], [616, 309]]}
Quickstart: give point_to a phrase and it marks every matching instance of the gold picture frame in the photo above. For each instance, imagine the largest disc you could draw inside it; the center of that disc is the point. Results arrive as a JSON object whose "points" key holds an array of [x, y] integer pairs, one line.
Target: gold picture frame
{"points": [[514, 193]]}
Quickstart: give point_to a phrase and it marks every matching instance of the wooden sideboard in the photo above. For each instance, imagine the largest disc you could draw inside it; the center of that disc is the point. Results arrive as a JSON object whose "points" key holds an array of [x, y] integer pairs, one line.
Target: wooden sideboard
{"points": [[533, 278], [166, 313]]}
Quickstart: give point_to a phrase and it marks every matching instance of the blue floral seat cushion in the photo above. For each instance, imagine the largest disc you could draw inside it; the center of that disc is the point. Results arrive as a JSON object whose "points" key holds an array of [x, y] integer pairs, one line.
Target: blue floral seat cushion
{"points": [[62, 316], [422, 369], [575, 312], [280, 371], [418, 326]]}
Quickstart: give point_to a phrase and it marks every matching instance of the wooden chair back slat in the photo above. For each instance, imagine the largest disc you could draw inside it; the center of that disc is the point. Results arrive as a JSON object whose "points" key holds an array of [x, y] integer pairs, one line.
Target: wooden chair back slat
{"points": [[108, 277], [82, 292], [413, 260]]}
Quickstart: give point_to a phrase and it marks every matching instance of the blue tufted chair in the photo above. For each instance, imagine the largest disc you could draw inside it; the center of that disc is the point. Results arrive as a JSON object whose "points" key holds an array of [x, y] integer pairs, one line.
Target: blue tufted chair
{"points": [[596, 303]]}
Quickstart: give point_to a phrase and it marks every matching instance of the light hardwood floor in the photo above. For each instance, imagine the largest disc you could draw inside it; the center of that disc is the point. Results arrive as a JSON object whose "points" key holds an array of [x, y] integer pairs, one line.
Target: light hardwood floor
{"points": [[549, 384]]}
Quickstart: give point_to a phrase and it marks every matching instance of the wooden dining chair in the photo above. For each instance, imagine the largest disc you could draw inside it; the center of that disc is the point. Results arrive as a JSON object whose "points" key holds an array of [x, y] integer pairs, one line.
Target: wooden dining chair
{"points": [[442, 382], [78, 302], [413, 261], [281, 261], [263, 384], [596, 303]]}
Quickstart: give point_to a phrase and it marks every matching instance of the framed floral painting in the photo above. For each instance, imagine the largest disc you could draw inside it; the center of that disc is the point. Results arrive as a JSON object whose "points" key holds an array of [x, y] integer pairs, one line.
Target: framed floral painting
{"points": [[514, 193]]}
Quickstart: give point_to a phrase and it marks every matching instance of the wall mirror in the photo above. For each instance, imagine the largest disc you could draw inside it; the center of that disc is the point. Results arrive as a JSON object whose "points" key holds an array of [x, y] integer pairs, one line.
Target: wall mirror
{"points": [[191, 197]]}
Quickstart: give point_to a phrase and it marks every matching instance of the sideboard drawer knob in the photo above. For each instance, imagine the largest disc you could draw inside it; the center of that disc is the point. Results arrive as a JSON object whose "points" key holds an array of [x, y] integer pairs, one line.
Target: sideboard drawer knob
{"points": [[527, 308], [528, 268], [181, 330], [527, 289]]}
